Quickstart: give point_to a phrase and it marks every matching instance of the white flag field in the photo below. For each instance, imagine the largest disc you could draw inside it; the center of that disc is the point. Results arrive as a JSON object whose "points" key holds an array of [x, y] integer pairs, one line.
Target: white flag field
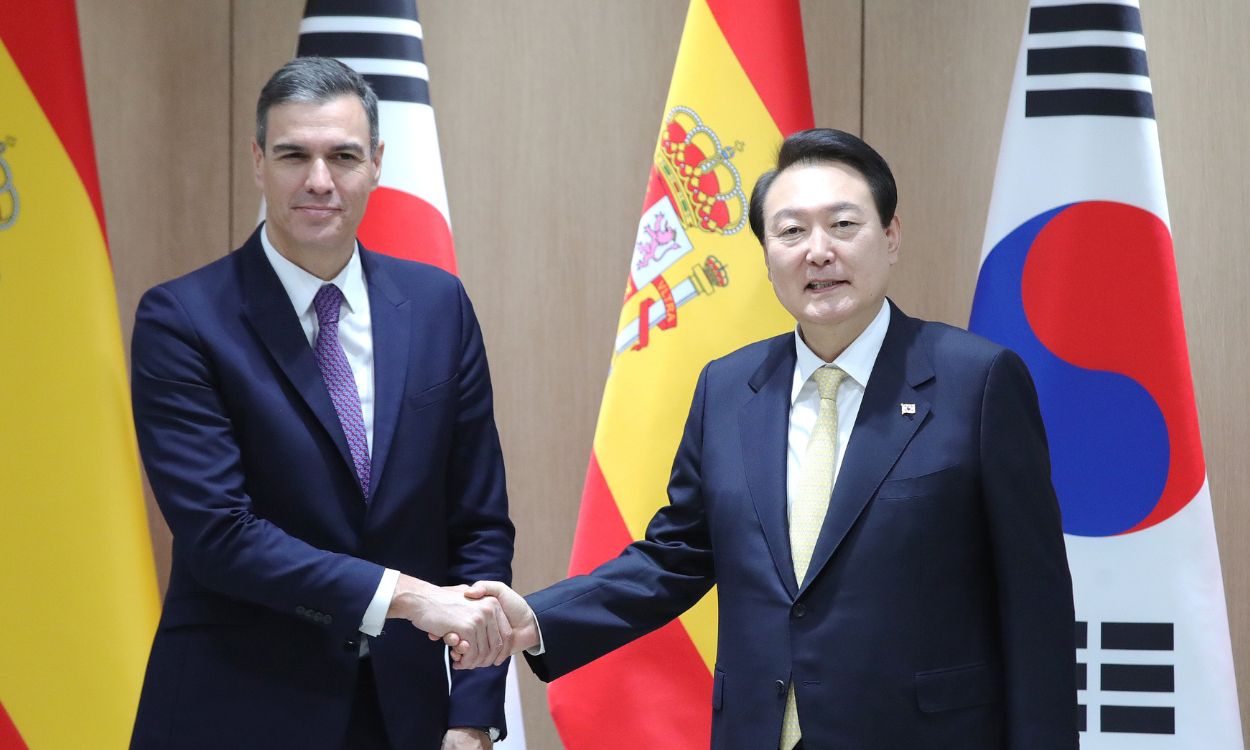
{"points": [[1078, 276]]}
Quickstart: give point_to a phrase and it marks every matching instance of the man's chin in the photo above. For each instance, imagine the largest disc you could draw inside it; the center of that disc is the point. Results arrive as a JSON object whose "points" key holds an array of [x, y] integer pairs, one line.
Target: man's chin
{"points": [[323, 238]]}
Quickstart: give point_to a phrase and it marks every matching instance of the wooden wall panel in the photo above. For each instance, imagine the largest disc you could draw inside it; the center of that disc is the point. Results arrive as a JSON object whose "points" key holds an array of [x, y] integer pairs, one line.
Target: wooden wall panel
{"points": [[1198, 63], [158, 88], [936, 77], [935, 93], [263, 37]]}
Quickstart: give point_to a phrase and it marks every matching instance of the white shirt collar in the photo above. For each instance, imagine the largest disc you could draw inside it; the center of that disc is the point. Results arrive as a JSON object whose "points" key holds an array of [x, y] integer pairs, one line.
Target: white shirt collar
{"points": [[301, 286], [856, 360]]}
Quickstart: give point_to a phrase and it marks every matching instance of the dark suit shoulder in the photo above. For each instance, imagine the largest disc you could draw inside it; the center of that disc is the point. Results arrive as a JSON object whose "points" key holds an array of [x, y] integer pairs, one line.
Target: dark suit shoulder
{"points": [[751, 364], [212, 283], [409, 270], [751, 356], [429, 287], [950, 346]]}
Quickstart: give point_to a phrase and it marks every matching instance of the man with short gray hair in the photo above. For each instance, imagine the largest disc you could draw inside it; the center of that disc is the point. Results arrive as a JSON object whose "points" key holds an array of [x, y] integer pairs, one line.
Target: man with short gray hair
{"points": [[316, 422]]}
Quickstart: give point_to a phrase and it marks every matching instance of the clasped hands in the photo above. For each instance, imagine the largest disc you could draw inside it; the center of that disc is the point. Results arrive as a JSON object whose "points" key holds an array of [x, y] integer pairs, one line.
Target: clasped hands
{"points": [[482, 624]]}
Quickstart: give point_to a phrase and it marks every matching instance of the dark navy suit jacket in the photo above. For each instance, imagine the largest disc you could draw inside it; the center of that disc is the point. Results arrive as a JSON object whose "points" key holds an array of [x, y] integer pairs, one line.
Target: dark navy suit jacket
{"points": [[937, 610], [276, 554]]}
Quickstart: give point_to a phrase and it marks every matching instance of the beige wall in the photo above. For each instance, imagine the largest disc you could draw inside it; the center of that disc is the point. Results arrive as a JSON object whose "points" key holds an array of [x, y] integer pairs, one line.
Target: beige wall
{"points": [[548, 112]]}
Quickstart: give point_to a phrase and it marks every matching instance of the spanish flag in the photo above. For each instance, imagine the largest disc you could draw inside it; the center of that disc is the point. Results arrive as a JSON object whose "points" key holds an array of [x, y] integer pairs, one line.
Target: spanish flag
{"points": [[697, 289], [78, 594]]}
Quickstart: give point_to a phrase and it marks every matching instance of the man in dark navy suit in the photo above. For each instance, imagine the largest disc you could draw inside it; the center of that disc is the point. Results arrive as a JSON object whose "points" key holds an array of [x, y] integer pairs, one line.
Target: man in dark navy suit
{"points": [[872, 495], [317, 425]]}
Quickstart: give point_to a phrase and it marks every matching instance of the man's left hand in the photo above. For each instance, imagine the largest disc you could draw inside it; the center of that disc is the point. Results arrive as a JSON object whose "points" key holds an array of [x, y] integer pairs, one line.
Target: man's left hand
{"points": [[464, 738]]}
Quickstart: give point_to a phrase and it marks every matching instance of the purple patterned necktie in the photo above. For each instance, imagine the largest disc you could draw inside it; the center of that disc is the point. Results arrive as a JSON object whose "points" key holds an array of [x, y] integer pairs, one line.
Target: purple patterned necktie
{"points": [[339, 380]]}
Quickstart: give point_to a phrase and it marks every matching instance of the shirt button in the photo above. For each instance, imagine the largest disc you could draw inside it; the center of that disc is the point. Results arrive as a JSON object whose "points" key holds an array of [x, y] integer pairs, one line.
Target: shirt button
{"points": [[781, 688]]}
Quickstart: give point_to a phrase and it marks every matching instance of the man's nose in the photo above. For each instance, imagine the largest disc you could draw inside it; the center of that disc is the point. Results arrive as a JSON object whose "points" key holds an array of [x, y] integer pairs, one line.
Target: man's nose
{"points": [[820, 249], [319, 180]]}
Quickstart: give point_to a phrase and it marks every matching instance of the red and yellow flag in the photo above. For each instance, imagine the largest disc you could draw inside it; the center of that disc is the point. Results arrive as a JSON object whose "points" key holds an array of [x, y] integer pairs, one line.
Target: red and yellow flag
{"points": [[697, 289], [78, 594]]}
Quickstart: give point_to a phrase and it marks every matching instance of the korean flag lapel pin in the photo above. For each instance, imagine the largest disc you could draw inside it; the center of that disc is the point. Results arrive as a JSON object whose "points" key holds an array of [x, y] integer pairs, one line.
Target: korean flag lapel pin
{"points": [[907, 410]]}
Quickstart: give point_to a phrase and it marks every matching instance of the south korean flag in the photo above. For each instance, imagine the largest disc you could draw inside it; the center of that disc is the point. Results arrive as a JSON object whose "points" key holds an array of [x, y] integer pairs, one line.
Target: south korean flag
{"points": [[1078, 276]]}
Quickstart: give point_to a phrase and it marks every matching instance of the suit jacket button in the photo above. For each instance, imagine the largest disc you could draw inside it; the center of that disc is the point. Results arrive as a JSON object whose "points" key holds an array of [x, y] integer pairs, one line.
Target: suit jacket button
{"points": [[351, 645], [327, 619], [781, 688], [799, 610]]}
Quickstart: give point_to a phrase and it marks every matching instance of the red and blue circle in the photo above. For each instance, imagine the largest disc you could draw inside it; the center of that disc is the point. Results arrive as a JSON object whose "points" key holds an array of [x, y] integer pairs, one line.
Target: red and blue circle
{"points": [[1086, 293]]}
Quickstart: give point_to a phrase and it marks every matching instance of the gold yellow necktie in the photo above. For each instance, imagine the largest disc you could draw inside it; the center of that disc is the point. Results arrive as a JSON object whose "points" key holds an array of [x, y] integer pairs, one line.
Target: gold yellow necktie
{"points": [[810, 504]]}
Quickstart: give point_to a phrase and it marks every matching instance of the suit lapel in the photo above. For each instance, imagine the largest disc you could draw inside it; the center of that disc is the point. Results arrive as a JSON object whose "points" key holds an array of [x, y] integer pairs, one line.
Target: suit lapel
{"points": [[268, 310], [392, 332], [880, 435], [764, 424]]}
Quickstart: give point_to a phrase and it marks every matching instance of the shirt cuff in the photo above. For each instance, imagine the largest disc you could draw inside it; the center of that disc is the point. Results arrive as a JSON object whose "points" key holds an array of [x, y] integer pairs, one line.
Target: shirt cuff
{"points": [[540, 649], [375, 613]]}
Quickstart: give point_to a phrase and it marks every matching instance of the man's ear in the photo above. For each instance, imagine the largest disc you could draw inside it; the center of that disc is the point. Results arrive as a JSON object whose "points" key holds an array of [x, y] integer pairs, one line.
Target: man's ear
{"points": [[258, 156], [377, 162], [893, 238]]}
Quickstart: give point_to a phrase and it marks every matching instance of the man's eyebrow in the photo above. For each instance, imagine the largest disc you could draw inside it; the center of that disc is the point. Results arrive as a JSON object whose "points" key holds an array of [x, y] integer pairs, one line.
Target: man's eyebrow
{"points": [[292, 148], [787, 213]]}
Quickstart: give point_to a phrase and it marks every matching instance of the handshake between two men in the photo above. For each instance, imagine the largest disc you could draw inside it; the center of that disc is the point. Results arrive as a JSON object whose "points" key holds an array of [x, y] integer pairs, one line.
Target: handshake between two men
{"points": [[482, 624]]}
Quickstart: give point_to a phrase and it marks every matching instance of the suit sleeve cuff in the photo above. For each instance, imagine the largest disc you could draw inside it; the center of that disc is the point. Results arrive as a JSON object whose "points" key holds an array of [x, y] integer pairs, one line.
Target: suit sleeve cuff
{"points": [[375, 614]]}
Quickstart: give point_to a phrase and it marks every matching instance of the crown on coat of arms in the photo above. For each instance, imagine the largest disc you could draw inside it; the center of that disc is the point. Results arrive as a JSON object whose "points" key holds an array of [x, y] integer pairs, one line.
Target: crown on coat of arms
{"points": [[702, 179]]}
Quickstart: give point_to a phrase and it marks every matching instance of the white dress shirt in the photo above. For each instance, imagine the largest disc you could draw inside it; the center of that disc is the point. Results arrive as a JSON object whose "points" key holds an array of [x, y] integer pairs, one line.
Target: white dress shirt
{"points": [[356, 337], [856, 361]]}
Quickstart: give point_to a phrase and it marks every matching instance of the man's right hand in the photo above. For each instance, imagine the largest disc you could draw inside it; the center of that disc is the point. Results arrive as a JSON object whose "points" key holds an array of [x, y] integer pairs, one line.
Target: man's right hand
{"points": [[520, 616], [482, 633]]}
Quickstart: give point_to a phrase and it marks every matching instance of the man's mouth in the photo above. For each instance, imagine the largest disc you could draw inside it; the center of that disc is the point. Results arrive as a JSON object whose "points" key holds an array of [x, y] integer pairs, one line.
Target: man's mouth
{"points": [[820, 285]]}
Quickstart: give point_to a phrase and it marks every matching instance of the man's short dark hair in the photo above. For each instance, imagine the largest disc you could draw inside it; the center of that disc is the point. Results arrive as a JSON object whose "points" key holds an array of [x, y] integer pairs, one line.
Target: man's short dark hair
{"points": [[828, 146], [316, 80]]}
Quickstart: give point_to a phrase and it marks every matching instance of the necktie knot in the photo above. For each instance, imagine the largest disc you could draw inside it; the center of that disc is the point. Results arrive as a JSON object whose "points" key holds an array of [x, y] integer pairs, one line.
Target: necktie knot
{"points": [[327, 302], [828, 378]]}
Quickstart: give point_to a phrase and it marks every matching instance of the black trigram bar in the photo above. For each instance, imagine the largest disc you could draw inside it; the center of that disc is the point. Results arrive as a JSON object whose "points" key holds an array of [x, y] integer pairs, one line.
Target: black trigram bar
{"points": [[400, 88], [1082, 634], [1082, 675], [1084, 17], [394, 8], [1137, 636], [1138, 678], [1103, 102], [1080, 717], [1061, 60], [1138, 719], [356, 44]]}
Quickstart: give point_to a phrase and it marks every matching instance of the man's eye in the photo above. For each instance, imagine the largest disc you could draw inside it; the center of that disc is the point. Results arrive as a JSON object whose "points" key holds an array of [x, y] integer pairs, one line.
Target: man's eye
{"points": [[345, 157], [843, 224], [790, 231]]}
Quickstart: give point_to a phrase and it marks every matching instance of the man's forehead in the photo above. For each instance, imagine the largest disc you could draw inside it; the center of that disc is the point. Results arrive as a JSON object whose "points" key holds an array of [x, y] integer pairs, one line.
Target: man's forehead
{"points": [[825, 186], [344, 114]]}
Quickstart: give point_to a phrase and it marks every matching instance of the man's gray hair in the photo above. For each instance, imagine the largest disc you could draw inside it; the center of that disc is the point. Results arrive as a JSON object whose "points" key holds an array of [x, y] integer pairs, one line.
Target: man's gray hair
{"points": [[316, 80]]}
